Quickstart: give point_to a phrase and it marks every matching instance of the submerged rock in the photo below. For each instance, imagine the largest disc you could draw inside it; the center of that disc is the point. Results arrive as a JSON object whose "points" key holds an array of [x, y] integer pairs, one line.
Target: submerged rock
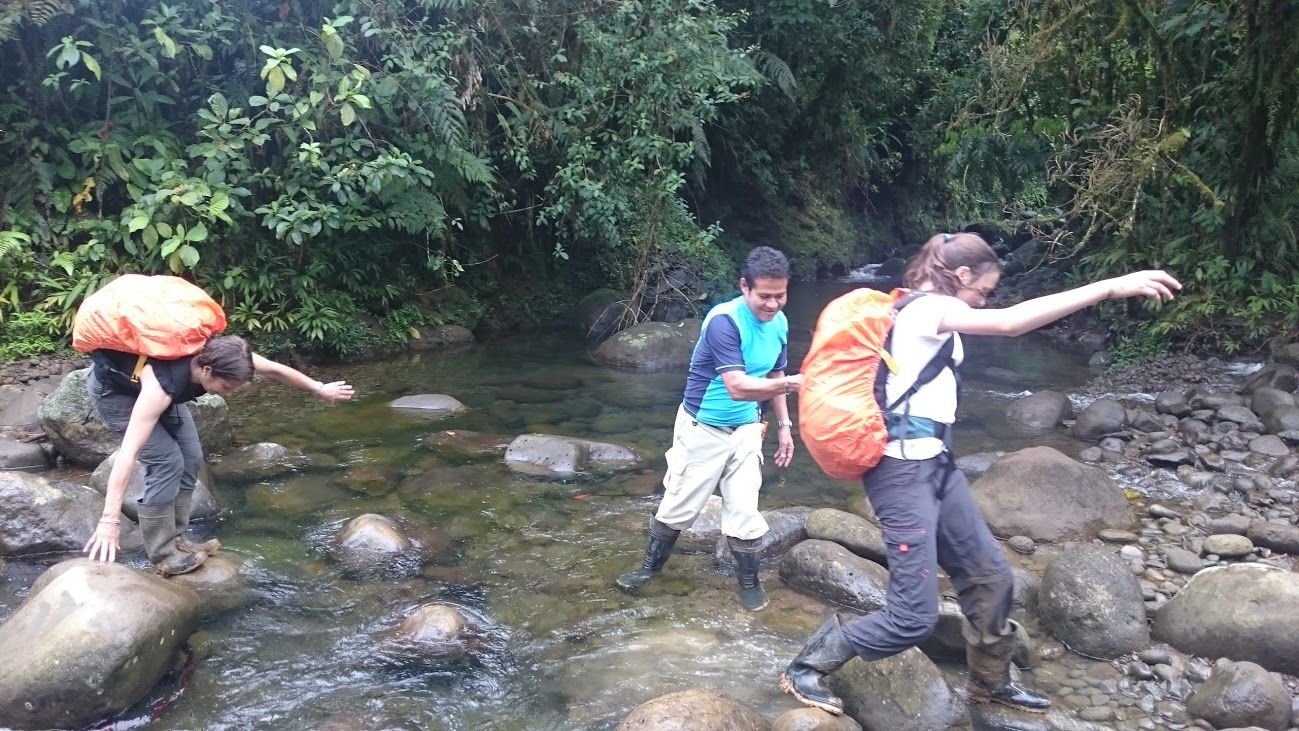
{"points": [[260, 461], [696, 709], [549, 455]]}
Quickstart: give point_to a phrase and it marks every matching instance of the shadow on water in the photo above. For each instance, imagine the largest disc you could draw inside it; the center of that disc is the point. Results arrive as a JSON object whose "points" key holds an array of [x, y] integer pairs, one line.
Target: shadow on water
{"points": [[532, 561]]}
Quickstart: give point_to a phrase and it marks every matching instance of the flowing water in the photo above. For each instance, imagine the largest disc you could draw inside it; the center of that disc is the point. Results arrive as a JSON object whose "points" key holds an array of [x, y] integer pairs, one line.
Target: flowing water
{"points": [[533, 561]]}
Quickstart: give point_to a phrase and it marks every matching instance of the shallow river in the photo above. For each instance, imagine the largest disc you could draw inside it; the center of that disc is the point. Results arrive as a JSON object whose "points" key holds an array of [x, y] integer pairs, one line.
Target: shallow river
{"points": [[534, 560]]}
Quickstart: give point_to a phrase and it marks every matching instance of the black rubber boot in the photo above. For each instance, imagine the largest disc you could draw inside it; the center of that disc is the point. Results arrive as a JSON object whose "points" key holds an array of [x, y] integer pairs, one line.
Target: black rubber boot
{"points": [[990, 680], [659, 542], [184, 503], [748, 559], [158, 528], [825, 652]]}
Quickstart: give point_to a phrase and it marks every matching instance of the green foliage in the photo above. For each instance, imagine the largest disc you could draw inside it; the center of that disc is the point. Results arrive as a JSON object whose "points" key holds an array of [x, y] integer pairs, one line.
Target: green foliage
{"points": [[30, 333]]}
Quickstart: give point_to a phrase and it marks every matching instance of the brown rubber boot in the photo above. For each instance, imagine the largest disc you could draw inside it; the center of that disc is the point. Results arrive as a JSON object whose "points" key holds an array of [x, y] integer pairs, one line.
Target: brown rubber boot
{"points": [[158, 528], [184, 501]]}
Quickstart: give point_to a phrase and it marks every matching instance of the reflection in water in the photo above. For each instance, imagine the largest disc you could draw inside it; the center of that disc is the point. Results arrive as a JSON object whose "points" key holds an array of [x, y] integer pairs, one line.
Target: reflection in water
{"points": [[532, 561]]}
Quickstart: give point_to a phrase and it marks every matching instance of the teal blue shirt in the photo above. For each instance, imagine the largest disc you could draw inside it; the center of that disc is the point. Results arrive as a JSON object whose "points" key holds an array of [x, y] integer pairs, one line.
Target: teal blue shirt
{"points": [[733, 339]]}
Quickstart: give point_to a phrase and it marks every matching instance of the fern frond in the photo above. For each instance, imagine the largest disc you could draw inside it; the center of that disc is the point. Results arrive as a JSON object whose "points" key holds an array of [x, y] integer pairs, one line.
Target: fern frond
{"points": [[778, 72], [40, 11]]}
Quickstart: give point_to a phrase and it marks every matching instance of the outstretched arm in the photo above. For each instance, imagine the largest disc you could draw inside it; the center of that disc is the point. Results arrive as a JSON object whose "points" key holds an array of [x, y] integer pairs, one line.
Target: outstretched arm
{"points": [[1032, 314], [331, 392]]}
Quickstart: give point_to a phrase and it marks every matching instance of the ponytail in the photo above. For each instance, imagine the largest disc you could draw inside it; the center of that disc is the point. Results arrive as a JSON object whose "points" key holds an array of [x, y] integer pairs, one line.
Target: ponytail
{"points": [[942, 255]]}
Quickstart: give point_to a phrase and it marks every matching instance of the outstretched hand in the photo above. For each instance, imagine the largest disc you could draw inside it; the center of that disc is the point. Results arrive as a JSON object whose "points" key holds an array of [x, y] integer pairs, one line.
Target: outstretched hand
{"points": [[335, 391], [1154, 283]]}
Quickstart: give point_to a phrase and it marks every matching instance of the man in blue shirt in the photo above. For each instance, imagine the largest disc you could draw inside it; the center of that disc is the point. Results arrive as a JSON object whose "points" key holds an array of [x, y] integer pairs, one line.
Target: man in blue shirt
{"points": [[738, 362]]}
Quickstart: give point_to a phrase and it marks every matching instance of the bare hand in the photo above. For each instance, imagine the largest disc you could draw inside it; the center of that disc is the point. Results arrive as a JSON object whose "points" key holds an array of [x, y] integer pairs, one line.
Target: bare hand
{"points": [[784, 447], [336, 391], [103, 544], [1155, 284], [794, 383]]}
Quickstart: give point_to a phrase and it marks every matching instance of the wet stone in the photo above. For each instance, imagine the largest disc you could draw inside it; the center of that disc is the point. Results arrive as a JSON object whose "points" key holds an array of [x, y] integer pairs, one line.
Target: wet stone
{"points": [[1182, 561], [1111, 535], [1234, 523], [1269, 445], [1155, 656], [1174, 528], [1228, 545]]}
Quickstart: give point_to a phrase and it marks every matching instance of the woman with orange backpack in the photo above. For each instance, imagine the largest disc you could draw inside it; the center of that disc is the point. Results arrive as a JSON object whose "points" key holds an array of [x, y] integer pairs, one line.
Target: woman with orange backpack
{"points": [[926, 511], [158, 430]]}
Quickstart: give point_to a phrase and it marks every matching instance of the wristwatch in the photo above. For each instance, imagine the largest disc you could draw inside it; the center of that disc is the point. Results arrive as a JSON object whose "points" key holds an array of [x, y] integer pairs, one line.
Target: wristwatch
{"points": [[782, 423]]}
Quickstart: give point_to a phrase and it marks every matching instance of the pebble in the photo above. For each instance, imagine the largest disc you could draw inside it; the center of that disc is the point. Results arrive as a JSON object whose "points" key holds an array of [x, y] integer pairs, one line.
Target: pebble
{"points": [[1173, 528], [1021, 544], [1269, 445], [1182, 561], [1110, 535], [1155, 656], [1234, 523], [1159, 511], [1131, 553]]}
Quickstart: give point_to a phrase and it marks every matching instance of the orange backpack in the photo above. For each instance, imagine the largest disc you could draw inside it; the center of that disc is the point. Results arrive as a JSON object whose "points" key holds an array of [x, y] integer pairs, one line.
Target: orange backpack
{"points": [[152, 316], [840, 407]]}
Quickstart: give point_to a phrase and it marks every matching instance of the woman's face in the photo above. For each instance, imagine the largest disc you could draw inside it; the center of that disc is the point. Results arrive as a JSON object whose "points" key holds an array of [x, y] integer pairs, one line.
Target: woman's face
{"points": [[215, 384], [975, 290]]}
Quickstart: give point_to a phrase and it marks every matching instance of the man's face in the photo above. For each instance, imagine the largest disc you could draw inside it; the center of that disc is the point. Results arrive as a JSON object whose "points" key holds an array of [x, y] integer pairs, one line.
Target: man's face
{"points": [[764, 296]]}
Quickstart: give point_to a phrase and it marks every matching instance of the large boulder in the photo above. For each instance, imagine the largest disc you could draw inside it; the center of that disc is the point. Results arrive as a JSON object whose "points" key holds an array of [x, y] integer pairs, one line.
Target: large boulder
{"points": [[203, 507], [1240, 695], [220, 584], [42, 516], [695, 709], [549, 455], [904, 692], [1091, 602], [90, 641], [1040, 493], [832, 572], [461, 446], [652, 346], [70, 420], [1242, 611]]}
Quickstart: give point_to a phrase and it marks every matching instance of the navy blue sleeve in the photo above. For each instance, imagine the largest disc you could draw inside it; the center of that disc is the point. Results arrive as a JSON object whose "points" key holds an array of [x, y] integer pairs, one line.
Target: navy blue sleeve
{"points": [[723, 339], [782, 362]]}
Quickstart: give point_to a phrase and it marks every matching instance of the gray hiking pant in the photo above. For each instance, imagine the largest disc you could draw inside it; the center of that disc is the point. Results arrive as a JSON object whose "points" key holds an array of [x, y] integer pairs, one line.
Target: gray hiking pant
{"points": [[171, 456], [929, 519]]}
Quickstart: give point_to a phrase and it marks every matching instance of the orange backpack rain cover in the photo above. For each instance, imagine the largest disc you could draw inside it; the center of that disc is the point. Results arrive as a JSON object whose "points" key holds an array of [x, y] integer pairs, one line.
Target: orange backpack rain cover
{"points": [[839, 420], [156, 316]]}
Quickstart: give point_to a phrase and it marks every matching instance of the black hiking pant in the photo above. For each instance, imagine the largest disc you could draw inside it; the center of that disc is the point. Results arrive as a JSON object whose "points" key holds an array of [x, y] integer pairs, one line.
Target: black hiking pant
{"points": [[929, 519]]}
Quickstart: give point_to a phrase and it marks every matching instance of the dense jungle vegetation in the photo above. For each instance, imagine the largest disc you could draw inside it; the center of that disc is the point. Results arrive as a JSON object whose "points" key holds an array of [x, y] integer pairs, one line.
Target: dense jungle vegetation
{"points": [[333, 169]]}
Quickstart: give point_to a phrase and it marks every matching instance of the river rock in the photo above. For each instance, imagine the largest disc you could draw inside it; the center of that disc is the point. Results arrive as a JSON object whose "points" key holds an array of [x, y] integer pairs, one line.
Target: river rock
{"points": [[696, 709], [461, 446], [1040, 493], [850, 531], [974, 465], [1240, 611], [1281, 419], [1230, 523], [905, 692], [1281, 537], [91, 640], [1241, 694], [1182, 561], [203, 506], [1273, 375], [597, 314], [1266, 400], [832, 572], [70, 420], [1238, 414], [220, 585], [1269, 445], [1144, 420], [430, 632], [996, 717], [261, 461], [1173, 402], [375, 545], [1041, 410], [19, 404], [42, 516], [786, 528], [652, 346], [440, 336], [549, 455], [1227, 545], [1102, 416], [429, 405], [703, 534], [813, 719], [1090, 601], [16, 454]]}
